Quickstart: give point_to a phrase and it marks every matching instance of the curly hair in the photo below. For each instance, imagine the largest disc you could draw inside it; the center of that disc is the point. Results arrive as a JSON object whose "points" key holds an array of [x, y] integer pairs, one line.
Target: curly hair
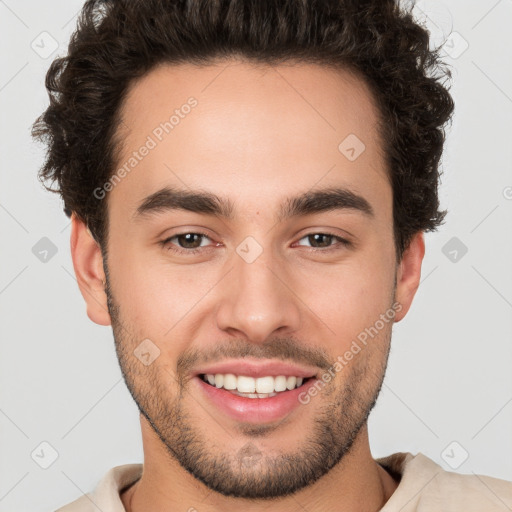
{"points": [[118, 41]]}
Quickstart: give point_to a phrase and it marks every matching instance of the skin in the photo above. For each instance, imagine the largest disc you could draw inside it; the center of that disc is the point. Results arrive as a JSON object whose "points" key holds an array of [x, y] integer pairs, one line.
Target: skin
{"points": [[259, 134]]}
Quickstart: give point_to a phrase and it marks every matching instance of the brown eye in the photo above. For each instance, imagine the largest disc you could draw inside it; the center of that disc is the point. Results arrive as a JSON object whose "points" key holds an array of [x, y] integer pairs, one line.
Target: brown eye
{"points": [[325, 241], [187, 243], [189, 240], [320, 240]]}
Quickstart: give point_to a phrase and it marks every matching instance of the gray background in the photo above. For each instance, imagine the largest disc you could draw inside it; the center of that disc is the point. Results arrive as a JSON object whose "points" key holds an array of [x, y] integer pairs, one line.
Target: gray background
{"points": [[448, 390]]}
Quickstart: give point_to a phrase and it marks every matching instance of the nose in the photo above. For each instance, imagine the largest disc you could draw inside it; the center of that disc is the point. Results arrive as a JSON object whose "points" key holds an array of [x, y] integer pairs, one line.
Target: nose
{"points": [[258, 300]]}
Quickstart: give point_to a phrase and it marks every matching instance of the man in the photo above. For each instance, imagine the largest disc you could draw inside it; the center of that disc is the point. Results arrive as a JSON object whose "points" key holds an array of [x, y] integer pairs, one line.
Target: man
{"points": [[249, 183]]}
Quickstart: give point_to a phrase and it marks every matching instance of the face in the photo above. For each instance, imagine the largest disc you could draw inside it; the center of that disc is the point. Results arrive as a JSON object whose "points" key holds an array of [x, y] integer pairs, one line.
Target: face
{"points": [[252, 242]]}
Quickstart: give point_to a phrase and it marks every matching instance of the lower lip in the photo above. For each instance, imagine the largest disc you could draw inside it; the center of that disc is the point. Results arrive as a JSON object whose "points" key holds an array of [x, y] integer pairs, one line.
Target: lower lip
{"points": [[254, 410]]}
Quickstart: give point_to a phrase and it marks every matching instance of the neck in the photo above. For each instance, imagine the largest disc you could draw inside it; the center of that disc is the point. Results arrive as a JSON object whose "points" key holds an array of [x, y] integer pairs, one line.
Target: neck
{"points": [[356, 484]]}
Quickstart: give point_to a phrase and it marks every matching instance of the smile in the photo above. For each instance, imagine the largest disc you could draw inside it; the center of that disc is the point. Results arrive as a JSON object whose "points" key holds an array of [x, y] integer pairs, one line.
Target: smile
{"points": [[258, 400], [250, 387]]}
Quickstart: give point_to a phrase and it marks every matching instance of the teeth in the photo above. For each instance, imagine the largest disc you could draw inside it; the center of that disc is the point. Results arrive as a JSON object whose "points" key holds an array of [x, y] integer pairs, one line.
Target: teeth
{"points": [[261, 387], [290, 382], [265, 384], [219, 380], [280, 383], [229, 381], [246, 384]]}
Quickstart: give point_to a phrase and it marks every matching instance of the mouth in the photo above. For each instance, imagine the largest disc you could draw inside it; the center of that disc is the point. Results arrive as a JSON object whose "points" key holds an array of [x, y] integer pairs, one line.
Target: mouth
{"points": [[254, 388], [256, 400]]}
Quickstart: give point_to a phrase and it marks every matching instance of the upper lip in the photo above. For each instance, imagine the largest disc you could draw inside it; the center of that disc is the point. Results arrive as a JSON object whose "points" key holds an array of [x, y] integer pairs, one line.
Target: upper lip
{"points": [[255, 369]]}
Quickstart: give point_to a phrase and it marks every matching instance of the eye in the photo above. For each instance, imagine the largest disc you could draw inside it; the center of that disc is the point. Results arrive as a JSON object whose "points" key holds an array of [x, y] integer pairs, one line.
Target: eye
{"points": [[323, 241], [185, 243]]}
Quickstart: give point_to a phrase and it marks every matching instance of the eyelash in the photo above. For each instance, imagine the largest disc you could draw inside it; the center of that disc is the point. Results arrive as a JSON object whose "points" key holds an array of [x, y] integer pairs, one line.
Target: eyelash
{"points": [[172, 247]]}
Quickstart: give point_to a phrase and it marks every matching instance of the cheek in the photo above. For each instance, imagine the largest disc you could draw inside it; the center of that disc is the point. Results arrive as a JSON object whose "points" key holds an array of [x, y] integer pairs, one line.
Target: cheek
{"points": [[348, 297], [154, 298]]}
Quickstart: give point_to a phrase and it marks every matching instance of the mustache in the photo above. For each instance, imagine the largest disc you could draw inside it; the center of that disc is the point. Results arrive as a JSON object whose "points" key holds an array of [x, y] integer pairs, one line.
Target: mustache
{"points": [[287, 349]]}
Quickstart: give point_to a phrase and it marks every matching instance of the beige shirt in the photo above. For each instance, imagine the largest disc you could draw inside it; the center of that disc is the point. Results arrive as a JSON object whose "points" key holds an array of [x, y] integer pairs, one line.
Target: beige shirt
{"points": [[424, 487]]}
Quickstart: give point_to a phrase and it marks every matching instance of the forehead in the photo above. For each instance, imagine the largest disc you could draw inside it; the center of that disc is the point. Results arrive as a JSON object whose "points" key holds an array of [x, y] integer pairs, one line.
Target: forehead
{"points": [[250, 132]]}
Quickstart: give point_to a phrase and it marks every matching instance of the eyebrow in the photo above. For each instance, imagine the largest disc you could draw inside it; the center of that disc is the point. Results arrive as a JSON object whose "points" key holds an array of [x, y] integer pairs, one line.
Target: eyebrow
{"points": [[207, 203]]}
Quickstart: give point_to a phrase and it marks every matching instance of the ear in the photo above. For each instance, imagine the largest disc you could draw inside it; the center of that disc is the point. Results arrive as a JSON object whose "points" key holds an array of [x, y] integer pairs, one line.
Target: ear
{"points": [[409, 274], [90, 276]]}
